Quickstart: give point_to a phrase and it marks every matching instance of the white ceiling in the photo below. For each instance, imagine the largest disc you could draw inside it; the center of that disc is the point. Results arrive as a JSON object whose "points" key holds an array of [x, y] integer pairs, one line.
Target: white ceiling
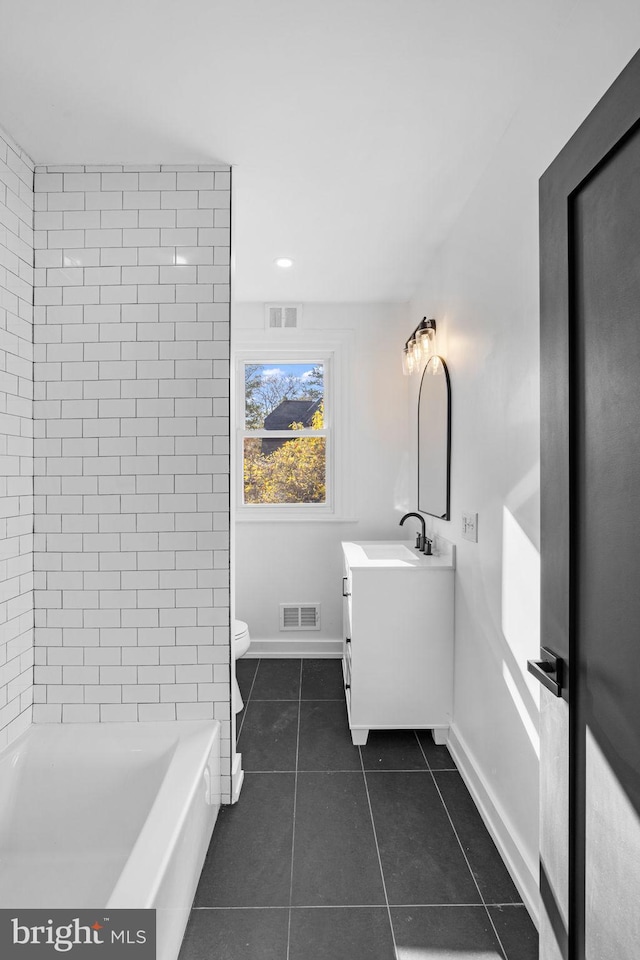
{"points": [[356, 128]]}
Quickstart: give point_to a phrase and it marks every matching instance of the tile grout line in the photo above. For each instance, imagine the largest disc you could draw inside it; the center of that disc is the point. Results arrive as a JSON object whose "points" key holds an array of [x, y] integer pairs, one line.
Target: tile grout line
{"points": [[295, 800], [364, 906], [377, 773], [464, 854], [295, 700], [375, 837], [244, 713]]}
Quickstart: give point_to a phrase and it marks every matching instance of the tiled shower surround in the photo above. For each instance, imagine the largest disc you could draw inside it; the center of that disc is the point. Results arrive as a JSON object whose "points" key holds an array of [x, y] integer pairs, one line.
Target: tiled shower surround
{"points": [[131, 416], [16, 443]]}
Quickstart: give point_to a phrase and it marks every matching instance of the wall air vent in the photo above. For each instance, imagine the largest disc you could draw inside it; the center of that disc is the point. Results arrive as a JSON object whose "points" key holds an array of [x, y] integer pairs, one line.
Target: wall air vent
{"points": [[282, 316], [299, 616]]}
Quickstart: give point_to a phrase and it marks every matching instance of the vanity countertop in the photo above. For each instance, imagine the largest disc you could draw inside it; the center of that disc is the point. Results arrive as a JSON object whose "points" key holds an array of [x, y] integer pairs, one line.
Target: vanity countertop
{"points": [[397, 554]]}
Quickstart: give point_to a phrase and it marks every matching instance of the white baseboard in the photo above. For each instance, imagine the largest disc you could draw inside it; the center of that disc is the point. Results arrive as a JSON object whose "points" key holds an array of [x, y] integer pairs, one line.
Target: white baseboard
{"points": [[523, 873], [237, 777], [295, 648]]}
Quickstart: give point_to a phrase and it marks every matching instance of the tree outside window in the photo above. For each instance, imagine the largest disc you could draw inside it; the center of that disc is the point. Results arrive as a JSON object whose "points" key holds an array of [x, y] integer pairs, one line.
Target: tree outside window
{"points": [[281, 400]]}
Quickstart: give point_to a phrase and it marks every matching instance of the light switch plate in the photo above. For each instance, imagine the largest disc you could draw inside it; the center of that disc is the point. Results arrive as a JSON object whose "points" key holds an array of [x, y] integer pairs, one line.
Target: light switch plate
{"points": [[470, 527]]}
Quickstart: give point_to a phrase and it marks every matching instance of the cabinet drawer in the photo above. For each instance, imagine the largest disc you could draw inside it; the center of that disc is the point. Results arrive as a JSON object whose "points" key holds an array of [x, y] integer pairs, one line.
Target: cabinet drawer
{"points": [[346, 616], [346, 674], [347, 663]]}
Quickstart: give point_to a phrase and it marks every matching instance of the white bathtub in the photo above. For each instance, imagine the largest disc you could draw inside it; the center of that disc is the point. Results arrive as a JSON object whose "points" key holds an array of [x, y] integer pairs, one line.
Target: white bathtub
{"points": [[113, 815]]}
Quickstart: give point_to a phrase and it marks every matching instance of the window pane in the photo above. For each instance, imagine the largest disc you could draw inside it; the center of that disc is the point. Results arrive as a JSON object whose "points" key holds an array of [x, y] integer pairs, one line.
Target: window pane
{"points": [[285, 471], [285, 396]]}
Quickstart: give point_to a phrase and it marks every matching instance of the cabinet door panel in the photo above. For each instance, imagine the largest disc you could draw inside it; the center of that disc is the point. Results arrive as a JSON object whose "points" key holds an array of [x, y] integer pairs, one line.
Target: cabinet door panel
{"points": [[402, 648]]}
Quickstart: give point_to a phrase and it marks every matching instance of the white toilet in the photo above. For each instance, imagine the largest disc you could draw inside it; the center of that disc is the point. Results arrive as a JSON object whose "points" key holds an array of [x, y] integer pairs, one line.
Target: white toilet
{"points": [[239, 645]]}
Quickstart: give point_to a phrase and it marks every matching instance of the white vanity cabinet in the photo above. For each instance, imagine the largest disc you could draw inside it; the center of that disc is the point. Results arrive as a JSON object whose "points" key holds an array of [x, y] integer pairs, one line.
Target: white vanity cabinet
{"points": [[397, 637]]}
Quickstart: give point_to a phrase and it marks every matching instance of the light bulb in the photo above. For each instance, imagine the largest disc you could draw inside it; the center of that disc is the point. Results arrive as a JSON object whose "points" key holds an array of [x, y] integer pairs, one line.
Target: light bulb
{"points": [[425, 341], [406, 363], [414, 354]]}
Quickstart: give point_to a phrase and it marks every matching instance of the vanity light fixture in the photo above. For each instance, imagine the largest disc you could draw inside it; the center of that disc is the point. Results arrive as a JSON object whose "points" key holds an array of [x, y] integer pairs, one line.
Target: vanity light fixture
{"points": [[419, 347], [284, 262]]}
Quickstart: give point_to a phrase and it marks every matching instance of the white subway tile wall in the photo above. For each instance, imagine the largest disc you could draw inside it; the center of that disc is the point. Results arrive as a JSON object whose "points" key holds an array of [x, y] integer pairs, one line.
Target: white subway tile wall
{"points": [[16, 440], [131, 415]]}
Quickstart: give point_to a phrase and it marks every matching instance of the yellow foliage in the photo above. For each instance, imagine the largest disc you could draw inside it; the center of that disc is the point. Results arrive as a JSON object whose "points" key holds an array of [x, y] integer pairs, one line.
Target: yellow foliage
{"points": [[295, 472]]}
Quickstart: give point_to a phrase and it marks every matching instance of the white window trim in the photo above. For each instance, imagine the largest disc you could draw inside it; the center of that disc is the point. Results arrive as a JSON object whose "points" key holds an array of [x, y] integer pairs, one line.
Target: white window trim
{"points": [[294, 350]]}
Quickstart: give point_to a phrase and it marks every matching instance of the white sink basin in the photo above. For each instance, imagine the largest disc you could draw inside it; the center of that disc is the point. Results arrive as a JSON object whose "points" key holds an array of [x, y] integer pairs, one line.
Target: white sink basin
{"points": [[389, 551], [397, 554]]}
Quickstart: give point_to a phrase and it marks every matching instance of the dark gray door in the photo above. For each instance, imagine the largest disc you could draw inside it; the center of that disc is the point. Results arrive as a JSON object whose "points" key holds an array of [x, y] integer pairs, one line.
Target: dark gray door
{"points": [[590, 344]]}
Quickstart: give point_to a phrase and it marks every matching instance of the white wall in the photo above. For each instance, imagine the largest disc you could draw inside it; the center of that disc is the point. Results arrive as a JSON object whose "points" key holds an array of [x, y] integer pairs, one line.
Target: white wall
{"points": [[301, 561], [16, 440], [483, 289]]}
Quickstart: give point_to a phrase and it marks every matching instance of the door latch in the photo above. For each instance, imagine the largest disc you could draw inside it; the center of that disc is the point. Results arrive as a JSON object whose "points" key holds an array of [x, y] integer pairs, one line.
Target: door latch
{"points": [[548, 671]]}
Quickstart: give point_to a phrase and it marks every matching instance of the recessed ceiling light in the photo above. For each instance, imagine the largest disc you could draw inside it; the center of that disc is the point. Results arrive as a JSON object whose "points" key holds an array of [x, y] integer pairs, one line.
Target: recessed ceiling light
{"points": [[284, 262]]}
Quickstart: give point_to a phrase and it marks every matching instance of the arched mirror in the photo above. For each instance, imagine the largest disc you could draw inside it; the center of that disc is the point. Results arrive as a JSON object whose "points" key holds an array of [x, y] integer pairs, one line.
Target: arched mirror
{"points": [[434, 439]]}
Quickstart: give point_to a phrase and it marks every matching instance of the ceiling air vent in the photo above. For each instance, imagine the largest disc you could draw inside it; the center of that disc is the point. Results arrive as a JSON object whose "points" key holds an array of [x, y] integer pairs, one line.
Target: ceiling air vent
{"points": [[282, 316], [299, 616]]}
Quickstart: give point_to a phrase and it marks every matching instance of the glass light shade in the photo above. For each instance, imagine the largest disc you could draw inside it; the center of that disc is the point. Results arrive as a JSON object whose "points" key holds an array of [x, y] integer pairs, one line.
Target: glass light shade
{"points": [[414, 354], [426, 343], [406, 363]]}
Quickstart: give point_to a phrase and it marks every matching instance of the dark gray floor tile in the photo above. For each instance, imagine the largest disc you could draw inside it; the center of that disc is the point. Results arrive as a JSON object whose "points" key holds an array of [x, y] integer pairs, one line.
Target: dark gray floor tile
{"points": [[516, 930], [236, 935], [322, 680], [488, 868], [269, 735], [438, 756], [245, 672], [325, 740], [277, 680], [335, 859], [248, 863], [392, 750], [445, 933], [421, 857], [346, 933]]}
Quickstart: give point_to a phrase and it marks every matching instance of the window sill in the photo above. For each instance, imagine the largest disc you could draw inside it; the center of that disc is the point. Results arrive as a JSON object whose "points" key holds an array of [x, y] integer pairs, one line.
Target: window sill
{"points": [[306, 518]]}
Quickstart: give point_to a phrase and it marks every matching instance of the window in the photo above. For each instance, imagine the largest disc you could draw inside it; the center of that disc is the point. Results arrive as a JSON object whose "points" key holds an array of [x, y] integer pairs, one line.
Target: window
{"points": [[294, 463], [286, 441]]}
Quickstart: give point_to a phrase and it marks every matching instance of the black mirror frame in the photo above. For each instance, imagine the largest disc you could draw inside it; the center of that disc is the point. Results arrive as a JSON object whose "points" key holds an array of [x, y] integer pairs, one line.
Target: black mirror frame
{"points": [[447, 514]]}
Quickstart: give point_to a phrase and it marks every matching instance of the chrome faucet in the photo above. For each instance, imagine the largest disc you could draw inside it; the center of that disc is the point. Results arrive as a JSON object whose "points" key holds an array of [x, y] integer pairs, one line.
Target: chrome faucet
{"points": [[423, 543]]}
